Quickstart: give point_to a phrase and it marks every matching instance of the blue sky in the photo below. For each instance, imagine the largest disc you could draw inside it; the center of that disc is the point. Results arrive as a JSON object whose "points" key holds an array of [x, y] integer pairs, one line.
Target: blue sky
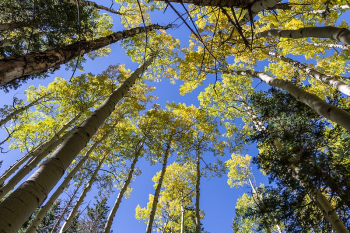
{"points": [[217, 198]]}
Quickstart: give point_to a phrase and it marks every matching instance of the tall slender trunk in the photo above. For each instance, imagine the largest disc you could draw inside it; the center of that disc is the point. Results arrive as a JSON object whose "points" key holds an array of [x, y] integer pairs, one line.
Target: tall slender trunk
{"points": [[16, 67], [22, 109], [320, 106], [159, 186], [82, 196], [321, 201], [20, 204], [36, 159], [126, 184], [40, 216], [52, 143], [182, 229], [317, 197], [333, 8], [257, 197], [338, 34], [198, 180], [94, 4], [327, 79], [336, 46], [58, 221]]}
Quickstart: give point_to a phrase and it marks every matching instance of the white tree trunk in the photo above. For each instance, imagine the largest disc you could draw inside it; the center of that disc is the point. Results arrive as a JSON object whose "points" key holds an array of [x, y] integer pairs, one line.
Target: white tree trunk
{"points": [[320, 106], [37, 155], [338, 34], [82, 196], [257, 7], [198, 182], [157, 192], [66, 208], [126, 184], [18, 206], [336, 46], [327, 79], [182, 229], [322, 202], [40, 216]]}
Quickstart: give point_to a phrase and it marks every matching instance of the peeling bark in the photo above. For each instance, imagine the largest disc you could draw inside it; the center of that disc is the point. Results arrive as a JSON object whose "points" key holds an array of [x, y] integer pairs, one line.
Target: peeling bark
{"points": [[126, 184], [327, 79], [338, 34], [320, 106], [17, 67], [20, 204], [157, 192]]}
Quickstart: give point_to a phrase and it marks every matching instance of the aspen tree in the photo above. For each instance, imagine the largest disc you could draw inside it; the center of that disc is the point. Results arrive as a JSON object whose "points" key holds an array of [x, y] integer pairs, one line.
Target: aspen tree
{"points": [[159, 185], [60, 189], [328, 79], [33, 63], [137, 153], [315, 194], [337, 34], [49, 173], [82, 196], [326, 110], [38, 155]]}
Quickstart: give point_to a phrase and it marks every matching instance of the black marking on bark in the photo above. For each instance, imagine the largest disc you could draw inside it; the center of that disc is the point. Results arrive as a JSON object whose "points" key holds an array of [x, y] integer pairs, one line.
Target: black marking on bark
{"points": [[330, 109]]}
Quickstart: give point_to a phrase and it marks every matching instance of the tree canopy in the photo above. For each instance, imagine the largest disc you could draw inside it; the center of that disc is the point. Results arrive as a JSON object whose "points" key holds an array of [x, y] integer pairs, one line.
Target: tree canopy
{"points": [[265, 85]]}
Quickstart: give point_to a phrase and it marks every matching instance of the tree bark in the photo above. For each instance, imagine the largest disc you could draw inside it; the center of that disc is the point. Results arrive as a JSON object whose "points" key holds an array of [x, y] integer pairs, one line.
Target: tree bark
{"points": [[57, 223], [40, 216], [37, 158], [126, 184], [18, 206], [157, 192], [22, 109], [198, 217], [17, 67], [82, 196], [321, 201], [338, 34], [336, 46], [315, 194], [40, 150], [320, 106], [257, 7], [182, 229], [327, 79]]}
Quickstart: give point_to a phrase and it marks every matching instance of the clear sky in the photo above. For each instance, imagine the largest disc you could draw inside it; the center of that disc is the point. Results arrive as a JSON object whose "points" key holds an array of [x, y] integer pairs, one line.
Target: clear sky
{"points": [[217, 198]]}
